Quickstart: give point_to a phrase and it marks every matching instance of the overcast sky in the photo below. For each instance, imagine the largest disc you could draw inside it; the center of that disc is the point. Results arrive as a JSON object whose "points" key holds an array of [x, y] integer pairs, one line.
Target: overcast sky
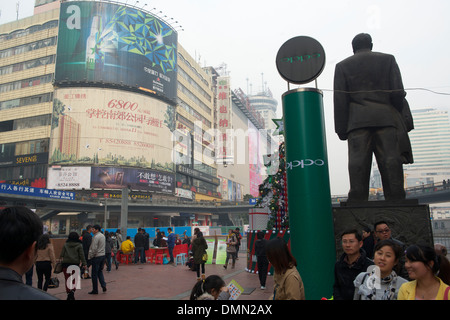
{"points": [[246, 35]]}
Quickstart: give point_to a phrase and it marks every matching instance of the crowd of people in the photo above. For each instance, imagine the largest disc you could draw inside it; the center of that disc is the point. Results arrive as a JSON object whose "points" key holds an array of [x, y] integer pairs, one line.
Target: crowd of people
{"points": [[376, 266], [372, 267]]}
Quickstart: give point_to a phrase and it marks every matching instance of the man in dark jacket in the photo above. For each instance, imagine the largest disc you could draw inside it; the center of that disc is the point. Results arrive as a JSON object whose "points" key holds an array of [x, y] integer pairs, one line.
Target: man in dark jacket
{"points": [[20, 229], [371, 112], [86, 241], [261, 258], [139, 243], [352, 262]]}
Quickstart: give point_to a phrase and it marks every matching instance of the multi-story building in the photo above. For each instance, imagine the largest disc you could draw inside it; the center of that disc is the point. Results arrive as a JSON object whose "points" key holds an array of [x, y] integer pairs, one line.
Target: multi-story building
{"points": [[86, 109], [266, 105], [27, 66], [430, 142]]}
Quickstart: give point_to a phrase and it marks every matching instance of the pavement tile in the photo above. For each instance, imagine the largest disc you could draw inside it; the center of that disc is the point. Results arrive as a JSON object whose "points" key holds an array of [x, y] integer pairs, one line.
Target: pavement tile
{"points": [[164, 282]]}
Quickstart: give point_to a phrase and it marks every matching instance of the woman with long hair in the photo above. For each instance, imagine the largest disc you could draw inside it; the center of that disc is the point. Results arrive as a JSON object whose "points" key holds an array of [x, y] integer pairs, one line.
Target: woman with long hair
{"points": [[45, 261], [199, 247], [425, 269], [288, 284]]}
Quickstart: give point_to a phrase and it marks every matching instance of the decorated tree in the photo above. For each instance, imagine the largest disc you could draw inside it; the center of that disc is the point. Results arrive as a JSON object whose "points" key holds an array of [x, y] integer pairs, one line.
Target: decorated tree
{"points": [[273, 191]]}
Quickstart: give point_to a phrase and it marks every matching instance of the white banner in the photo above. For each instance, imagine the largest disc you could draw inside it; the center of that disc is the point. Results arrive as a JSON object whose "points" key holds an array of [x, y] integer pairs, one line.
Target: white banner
{"points": [[68, 178]]}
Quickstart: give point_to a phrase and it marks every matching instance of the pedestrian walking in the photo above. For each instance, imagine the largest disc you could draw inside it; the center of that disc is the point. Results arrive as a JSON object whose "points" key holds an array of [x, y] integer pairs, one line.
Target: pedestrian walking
{"points": [[72, 257], [261, 258], [237, 231], [87, 240], [108, 251], [199, 247], [115, 248], [45, 261], [231, 242], [97, 257]]}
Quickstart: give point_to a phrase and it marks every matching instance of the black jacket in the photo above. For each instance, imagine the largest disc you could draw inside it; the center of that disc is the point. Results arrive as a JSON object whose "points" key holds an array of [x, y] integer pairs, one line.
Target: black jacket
{"points": [[368, 92], [12, 288], [343, 288], [139, 240], [260, 247]]}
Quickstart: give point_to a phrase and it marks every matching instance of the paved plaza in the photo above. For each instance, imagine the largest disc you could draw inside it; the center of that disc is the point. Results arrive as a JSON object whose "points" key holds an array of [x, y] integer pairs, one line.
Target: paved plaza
{"points": [[164, 282]]}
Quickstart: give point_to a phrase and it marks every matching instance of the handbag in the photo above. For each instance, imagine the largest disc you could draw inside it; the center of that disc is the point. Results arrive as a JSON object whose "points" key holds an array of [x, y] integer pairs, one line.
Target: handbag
{"points": [[54, 283], [205, 257], [58, 268]]}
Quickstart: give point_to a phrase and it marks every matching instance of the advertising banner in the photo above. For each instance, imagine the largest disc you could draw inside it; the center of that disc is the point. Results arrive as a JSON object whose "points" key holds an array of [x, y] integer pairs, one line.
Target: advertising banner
{"points": [[225, 142], [221, 254], [68, 178], [210, 251], [255, 159], [36, 192], [136, 179], [93, 126], [104, 43]]}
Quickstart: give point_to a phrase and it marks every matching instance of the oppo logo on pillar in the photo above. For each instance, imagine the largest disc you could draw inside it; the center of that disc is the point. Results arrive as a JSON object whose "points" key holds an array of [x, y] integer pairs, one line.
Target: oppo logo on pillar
{"points": [[304, 163]]}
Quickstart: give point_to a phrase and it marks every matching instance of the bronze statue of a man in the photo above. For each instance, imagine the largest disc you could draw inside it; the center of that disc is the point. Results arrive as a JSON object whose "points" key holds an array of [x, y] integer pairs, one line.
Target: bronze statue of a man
{"points": [[371, 112]]}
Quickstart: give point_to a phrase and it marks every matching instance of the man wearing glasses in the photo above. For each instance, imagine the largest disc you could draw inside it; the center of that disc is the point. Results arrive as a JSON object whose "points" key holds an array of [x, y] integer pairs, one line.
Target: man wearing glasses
{"points": [[383, 232]]}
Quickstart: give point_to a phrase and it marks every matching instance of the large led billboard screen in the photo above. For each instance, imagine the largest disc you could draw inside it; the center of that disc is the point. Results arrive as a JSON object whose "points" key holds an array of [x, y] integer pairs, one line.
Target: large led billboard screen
{"points": [[102, 43], [99, 126]]}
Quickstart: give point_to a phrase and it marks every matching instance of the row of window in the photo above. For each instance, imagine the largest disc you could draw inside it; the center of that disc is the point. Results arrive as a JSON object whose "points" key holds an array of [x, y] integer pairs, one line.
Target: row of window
{"points": [[28, 47], [27, 65], [30, 30], [200, 77], [27, 101], [25, 83], [194, 113], [26, 123], [24, 172], [193, 83], [194, 98], [8, 150]]}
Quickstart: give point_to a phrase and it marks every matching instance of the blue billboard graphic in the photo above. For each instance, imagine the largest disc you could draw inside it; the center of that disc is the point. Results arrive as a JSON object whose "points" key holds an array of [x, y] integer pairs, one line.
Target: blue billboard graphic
{"points": [[105, 44], [36, 192]]}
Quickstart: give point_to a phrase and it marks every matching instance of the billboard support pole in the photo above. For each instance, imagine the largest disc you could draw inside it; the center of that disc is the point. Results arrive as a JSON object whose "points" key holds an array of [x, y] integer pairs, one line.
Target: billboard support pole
{"points": [[124, 213]]}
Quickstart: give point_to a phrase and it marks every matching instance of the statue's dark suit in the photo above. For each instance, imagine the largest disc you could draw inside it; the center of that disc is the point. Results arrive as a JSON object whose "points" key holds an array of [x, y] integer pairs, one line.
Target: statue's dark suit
{"points": [[371, 112]]}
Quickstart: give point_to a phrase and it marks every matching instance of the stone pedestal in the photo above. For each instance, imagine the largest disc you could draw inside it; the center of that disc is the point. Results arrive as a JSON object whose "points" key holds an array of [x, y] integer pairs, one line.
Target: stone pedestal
{"points": [[409, 222]]}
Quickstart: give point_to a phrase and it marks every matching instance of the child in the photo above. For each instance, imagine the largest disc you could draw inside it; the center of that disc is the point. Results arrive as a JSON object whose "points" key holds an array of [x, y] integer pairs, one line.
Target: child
{"points": [[212, 288]]}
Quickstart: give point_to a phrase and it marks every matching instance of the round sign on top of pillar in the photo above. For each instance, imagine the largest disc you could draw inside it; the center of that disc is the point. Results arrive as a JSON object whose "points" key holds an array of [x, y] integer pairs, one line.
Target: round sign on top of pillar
{"points": [[300, 60]]}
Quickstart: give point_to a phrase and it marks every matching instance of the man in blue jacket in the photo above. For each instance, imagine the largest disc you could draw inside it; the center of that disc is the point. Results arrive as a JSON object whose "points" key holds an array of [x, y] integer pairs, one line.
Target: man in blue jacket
{"points": [[171, 238]]}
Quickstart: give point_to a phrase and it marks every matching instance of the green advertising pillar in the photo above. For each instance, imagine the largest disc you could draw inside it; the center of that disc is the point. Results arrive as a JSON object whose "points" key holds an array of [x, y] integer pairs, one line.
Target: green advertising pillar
{"points": [[308, 187], [301, 60]]}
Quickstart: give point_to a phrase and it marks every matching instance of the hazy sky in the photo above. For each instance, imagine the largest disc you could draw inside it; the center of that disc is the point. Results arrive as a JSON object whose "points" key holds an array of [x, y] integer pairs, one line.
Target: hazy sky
{"points": [[246, 36]]}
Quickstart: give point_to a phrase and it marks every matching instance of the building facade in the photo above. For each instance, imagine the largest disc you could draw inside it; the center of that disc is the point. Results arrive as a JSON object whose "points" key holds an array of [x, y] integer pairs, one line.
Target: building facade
{"points": [[266, 105], [84, 109], [430, 142]]}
